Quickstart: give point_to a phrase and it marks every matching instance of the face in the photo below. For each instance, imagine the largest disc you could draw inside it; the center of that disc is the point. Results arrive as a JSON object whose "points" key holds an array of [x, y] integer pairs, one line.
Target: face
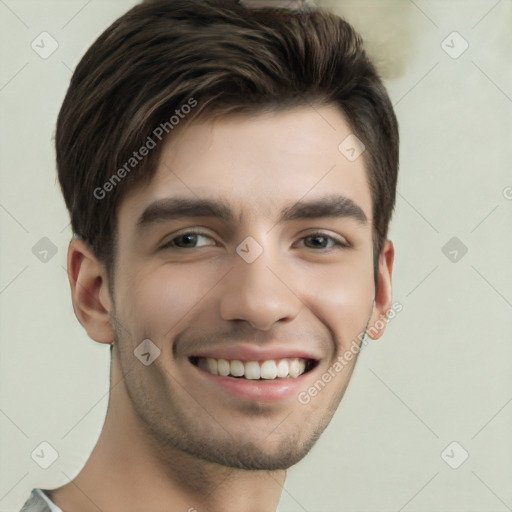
{"points": [[248, 262]]}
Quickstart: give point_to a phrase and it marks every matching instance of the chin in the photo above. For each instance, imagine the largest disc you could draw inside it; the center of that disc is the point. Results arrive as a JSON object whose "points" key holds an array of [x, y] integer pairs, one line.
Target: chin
{"points": [[253, 456]]}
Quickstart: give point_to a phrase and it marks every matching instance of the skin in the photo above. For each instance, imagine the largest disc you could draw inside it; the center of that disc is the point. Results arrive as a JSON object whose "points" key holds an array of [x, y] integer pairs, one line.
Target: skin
{"points": [[170, 439]]}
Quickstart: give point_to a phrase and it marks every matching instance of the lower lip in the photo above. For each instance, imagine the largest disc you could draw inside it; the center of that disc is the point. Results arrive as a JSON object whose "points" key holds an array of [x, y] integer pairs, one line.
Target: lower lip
{"points": [[259, 390]]}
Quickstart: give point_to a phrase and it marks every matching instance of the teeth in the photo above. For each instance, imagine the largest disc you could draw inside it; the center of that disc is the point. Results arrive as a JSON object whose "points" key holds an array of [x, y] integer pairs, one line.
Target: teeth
{"points": [[237, 368], [282, 368], [293, 368], [254, 370], [269, 370], [212, 366], [223, 367]]}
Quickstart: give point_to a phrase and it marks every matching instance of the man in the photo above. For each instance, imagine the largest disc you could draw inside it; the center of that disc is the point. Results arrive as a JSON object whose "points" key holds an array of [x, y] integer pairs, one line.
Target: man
{"points": [[230, 172]]}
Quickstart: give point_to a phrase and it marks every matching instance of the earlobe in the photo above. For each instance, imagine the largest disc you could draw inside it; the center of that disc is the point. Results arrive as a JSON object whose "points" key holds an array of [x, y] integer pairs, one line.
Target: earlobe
{"points": [[383, 294], [90, 292]]}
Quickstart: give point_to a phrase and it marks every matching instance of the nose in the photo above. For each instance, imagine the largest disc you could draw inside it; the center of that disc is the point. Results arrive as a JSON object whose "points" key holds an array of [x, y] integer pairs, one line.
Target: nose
{"points": [[260, 293]]}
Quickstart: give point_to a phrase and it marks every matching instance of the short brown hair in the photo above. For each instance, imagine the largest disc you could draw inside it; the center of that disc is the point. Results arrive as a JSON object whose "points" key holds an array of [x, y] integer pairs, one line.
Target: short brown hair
{"points": [[227, 58]]}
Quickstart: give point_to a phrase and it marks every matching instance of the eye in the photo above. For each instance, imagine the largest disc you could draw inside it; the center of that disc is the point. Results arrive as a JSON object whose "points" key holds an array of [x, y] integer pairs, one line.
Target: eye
{"points": [[189, 240], [323, 241]]}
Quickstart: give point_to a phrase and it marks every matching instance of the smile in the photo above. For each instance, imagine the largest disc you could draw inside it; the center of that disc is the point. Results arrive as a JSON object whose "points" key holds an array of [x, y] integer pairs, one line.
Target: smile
{"points": [[272, 369]]}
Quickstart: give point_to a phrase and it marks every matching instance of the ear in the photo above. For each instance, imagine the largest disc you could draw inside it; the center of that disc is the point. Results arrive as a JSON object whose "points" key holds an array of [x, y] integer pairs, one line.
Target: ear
{"points": [[90, 292], [383, 295]]}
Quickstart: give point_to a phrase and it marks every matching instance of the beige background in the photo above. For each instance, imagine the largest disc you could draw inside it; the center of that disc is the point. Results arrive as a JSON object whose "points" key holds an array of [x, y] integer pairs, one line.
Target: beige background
{"points": [[442, 372]]}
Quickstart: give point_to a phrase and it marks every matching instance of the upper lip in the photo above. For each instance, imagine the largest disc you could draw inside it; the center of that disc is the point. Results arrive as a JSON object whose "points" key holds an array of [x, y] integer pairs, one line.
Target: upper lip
{"points": [[252, 353]]}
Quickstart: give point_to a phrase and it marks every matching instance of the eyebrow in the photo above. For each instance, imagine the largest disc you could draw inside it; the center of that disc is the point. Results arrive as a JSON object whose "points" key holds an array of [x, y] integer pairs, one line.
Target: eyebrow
{"points": [[174, 208], [331, 206]]}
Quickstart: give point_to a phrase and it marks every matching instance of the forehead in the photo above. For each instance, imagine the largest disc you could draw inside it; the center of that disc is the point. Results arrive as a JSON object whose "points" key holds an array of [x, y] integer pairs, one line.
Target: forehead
{"points": [[257, 163]]}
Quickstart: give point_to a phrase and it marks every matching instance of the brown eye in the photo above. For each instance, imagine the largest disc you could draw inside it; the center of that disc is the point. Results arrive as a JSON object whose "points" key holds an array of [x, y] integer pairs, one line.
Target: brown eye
{"points": [[189, 240], [316, 241], [185, 241], [321, 241]]}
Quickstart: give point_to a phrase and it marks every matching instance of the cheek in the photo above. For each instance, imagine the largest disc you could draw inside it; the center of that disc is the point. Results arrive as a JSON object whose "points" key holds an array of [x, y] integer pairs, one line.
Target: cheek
{"points": [[341, 298], [156, 301]]}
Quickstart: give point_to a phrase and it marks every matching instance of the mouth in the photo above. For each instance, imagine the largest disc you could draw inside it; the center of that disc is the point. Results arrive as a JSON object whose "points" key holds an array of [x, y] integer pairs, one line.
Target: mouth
{"points": [[267, 370]]}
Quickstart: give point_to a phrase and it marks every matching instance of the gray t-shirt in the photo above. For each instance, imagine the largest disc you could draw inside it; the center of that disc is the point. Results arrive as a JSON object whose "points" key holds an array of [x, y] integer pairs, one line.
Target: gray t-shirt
{"points": [[39, 502]]}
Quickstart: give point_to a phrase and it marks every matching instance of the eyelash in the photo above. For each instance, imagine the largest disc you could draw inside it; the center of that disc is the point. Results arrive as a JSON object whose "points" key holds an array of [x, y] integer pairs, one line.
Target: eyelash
{"points": [[337, 242]]}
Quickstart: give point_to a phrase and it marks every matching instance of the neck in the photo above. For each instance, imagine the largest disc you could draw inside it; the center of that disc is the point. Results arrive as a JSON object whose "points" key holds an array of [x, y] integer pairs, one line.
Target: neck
{"points": [[129, 471]]}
